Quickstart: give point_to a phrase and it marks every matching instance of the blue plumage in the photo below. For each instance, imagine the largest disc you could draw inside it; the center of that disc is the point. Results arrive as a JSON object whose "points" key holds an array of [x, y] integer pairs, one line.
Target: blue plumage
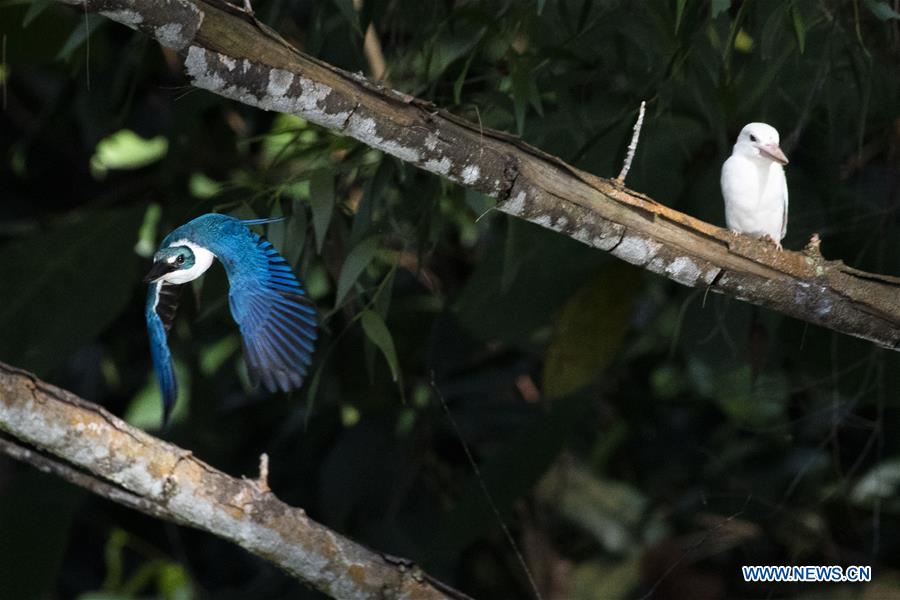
{"points": [[276, 319]]}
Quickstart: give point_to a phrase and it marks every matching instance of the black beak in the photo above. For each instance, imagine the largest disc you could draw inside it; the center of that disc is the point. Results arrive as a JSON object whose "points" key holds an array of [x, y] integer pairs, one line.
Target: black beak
{"points": [[158, 270]]}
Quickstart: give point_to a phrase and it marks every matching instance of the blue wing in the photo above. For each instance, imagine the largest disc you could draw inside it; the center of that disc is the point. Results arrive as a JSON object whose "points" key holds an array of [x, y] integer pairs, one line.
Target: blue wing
{"points": [[276, 318], [162, 302]]}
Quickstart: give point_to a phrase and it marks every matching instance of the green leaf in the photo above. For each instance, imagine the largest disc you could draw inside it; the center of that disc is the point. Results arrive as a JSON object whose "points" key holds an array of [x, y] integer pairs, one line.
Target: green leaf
{"points": [[743, 42], [604, 579], [35, 9], [679, 13], [203, 187], [275, 232], [376, 330], [79, 34], [174, 582], [321, 201], [610, 510], [356, 262], [349, 13], [718, 7], [145, 409], [749, 403], [127, 150], [373, 193], [461, 78], [880, 484], [146, 244], [589, 331], [882, 10], [296, 233], [524, 91], [799, 27], [62, 287]]}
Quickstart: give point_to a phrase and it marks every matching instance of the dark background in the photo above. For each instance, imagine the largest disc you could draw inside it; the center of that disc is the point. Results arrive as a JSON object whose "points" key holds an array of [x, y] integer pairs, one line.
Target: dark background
{"points": [[636, 436]]}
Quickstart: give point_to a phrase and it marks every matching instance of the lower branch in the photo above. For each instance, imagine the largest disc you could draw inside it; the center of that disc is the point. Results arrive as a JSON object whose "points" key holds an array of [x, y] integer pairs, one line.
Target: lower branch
{"points": [[112, 459]]}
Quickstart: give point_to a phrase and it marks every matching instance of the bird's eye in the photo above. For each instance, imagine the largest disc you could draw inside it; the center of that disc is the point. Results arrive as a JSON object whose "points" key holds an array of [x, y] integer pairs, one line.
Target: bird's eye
{"points": [[179, 259], [753, 138]]}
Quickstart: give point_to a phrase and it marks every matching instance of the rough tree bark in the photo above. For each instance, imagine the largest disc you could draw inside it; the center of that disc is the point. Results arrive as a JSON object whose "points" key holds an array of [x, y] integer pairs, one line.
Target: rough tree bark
{"points": [[138, 470], [230, 53]]}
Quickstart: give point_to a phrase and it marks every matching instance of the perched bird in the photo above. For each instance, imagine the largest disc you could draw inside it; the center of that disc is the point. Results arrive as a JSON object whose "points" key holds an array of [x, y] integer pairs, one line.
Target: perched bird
{"points": [[276, 318], [754, 186]]}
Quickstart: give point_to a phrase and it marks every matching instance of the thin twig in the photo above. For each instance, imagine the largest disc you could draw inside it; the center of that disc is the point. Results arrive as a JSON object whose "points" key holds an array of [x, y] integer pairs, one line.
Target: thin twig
{"points": [[5, 82], [263, 481], [484, 490], [632, 147]]}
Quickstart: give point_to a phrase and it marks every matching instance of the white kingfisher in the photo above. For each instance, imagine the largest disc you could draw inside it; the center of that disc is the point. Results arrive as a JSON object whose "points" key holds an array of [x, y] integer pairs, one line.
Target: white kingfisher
{"points": [[276, 318], [754, 186]]}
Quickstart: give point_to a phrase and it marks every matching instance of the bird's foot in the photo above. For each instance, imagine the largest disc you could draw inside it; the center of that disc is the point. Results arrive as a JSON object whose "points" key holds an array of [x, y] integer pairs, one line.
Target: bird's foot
{"points": [[773, 241]]}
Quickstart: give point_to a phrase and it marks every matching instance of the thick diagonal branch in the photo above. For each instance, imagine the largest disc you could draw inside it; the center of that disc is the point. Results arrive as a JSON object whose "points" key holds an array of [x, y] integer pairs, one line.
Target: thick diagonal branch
{"points": [[233, 55], [128, 466]]}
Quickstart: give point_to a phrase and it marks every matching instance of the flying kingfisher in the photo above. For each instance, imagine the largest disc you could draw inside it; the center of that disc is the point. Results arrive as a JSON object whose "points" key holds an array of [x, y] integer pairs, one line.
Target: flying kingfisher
{"points": [[276, 318]]}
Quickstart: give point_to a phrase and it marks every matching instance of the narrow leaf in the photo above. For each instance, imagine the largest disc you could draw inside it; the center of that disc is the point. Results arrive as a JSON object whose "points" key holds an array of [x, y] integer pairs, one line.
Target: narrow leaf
{"points": [[799, 28], [882, 10], [679, 13], [376, 330], [349, 13], [296, 233], [321, 201], [78, 35], [355, 263], [35, 9], [275, 231], [719, 6]]}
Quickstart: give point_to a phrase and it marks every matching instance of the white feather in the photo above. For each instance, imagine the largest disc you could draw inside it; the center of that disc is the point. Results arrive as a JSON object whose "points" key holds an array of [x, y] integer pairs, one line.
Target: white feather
{"points": [[754, 185], [203, 259]]}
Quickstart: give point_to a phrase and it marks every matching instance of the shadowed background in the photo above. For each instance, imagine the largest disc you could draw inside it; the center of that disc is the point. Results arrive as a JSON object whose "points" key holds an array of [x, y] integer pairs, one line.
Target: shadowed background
{"points": [[636, 436]]}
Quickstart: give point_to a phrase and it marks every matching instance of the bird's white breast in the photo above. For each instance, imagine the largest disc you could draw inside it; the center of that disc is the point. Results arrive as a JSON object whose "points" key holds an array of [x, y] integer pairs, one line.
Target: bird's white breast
{"points": [[203, 259], [755, 196]]}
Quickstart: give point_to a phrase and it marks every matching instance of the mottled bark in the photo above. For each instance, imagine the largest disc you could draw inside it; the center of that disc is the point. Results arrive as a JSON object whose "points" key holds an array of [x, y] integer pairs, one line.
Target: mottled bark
{"points": [[131, 467], [231, 54]]}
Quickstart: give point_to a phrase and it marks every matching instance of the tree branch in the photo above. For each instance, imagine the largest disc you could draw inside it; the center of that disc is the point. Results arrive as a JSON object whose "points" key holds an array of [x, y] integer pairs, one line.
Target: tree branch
{"points": [[126, 465], [232, 55]]}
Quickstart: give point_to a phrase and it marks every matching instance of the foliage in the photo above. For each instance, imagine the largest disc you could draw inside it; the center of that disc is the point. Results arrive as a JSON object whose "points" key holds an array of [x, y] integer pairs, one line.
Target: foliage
{"points": [[635, 436]]}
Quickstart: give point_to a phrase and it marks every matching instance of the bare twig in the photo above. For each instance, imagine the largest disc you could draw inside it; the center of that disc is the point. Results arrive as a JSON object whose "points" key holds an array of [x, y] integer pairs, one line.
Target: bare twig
{"points": [[262, 483], [107, 456], [632, 147]]}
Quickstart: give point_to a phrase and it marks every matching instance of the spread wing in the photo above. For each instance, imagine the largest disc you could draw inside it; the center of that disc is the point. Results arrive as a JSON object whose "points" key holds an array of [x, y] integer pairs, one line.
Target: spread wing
{"points": [[276, 318], [162, 302]]}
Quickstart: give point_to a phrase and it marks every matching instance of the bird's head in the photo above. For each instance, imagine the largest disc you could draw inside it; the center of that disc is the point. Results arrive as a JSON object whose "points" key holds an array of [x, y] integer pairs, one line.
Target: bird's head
{"points": [[170, 264], [759, 140]]}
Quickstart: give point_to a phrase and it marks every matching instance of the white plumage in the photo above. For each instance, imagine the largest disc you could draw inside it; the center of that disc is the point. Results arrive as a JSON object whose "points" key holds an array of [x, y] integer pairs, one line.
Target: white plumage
{"points": [[754, 185]]}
